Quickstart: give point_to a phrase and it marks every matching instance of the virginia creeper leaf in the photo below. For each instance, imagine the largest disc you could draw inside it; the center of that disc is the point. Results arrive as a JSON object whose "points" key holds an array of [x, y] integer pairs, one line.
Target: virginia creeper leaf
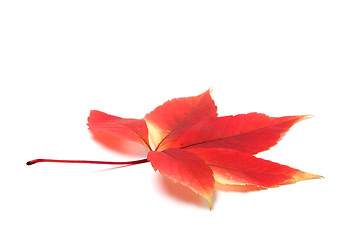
{"points": [[237, 168], [250, 133], [168, 121], [186, 168], [194, 147], [132, 129]]}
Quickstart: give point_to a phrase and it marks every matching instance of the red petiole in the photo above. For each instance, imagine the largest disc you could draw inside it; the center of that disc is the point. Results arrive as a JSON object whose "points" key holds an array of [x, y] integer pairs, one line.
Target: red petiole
{"points": [[87, 161]]}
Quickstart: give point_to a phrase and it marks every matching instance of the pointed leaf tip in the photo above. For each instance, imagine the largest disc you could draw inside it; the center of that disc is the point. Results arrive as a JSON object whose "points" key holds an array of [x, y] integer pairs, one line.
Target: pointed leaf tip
{"points": [[231, 167], [250, 133], [186, 168], [168, 121], [128, 128], [301, 176]]}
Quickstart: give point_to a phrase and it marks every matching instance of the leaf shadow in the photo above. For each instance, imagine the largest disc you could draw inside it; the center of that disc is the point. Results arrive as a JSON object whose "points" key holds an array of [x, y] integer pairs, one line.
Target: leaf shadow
{"points": [[109, 169], [119, 145], [180, 193], [238, 188]]}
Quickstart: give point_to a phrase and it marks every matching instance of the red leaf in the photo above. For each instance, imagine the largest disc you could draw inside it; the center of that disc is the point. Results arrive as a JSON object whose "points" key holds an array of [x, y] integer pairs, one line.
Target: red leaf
{"points": [[236, 168], [250, 133], [194, 147], [132, 129], [168, 121], [186, 168]]}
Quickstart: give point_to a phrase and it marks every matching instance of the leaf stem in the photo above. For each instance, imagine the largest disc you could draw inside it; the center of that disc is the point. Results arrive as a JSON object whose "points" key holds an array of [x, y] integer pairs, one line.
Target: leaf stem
{"points": [[87, 161]]}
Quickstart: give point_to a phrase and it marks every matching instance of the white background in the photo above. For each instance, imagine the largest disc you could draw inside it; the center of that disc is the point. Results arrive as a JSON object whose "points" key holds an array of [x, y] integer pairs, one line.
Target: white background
{"points": [[60, 59]]}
